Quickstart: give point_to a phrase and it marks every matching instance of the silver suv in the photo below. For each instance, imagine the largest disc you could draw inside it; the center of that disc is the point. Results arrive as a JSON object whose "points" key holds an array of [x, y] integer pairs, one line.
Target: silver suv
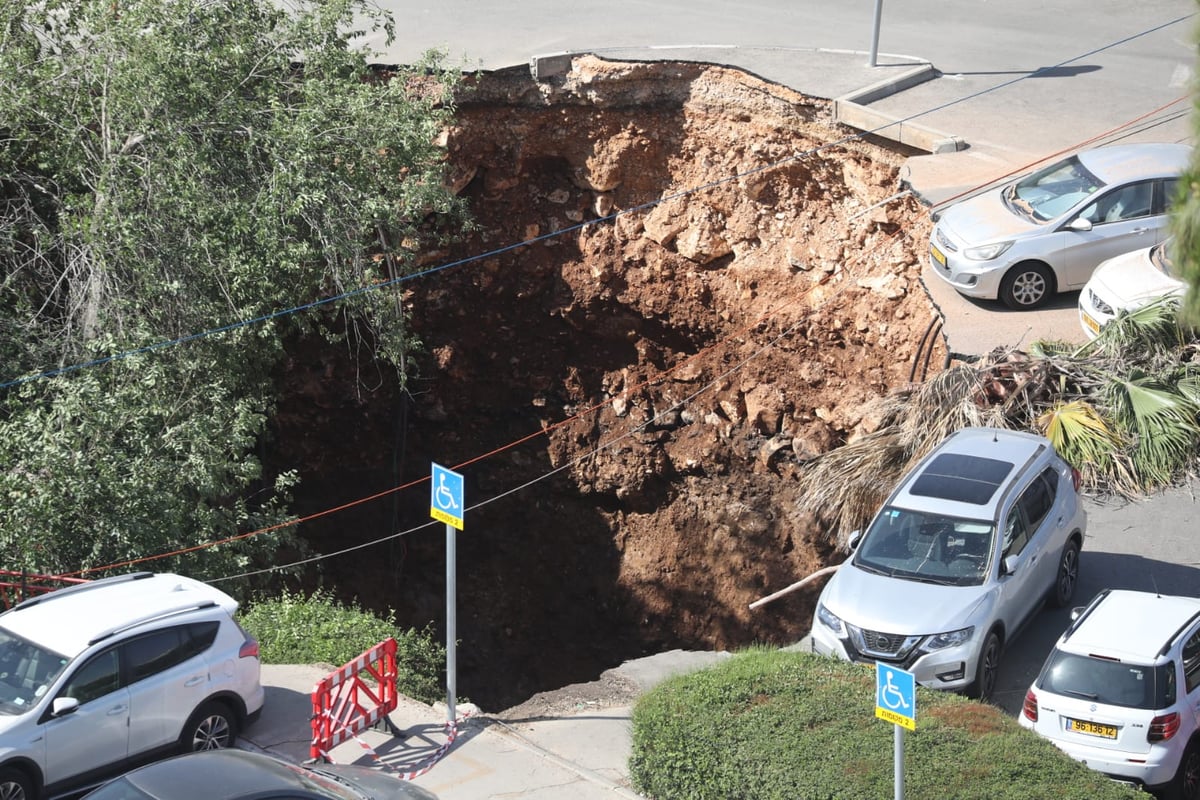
{"points": [[961, 555], [1121, 690], [104, 675]]}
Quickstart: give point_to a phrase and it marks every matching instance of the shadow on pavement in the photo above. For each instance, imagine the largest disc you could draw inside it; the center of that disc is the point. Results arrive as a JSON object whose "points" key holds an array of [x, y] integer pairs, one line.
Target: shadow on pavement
{"points": [[1097, 571]]}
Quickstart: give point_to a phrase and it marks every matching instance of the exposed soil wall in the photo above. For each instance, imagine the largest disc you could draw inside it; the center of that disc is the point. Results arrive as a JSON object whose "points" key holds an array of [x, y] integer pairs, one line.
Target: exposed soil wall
{"points": [[646, 375]]}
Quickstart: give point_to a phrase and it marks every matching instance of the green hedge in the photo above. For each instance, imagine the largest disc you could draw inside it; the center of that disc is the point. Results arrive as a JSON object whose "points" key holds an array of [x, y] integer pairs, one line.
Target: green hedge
{"points": [[318, 629], [768, 724]]}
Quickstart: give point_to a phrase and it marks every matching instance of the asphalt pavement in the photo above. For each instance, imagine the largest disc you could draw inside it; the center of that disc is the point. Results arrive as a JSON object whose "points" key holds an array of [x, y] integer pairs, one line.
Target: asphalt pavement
{"points": [[1146, 545]]}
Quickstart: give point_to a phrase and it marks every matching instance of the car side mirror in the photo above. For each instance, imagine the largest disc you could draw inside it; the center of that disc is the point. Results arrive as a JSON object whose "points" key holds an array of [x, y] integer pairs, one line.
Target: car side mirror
{"points": [[855, 538], [1076, 611], [1009, 565], [63, 706], [1081, 224]]}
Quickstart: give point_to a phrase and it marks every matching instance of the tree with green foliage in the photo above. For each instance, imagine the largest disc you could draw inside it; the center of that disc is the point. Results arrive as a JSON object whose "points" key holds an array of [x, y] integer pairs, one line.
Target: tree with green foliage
{"points": [[319, 629], [170, 168], [1185, 233]]}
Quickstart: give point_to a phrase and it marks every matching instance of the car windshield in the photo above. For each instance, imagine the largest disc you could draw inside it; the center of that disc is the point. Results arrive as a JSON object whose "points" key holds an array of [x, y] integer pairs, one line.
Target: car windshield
{"points": [[120, 789], [1051, 191], [26, 672], [927, 547], [1108, 681], [1161, 259]]}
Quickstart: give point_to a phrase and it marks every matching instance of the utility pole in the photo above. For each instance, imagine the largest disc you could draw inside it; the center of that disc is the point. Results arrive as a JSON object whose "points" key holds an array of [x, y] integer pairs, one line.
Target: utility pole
{"points": [[875, 33]]}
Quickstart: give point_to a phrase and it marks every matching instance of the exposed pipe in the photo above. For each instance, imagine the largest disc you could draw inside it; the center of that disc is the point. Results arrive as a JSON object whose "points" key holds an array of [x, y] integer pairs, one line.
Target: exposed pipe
{"points": [[798, 584]]}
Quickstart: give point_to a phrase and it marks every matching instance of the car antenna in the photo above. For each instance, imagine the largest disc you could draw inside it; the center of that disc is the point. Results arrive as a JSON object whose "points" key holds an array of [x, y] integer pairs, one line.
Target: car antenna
{"points": [[1154, 583]]}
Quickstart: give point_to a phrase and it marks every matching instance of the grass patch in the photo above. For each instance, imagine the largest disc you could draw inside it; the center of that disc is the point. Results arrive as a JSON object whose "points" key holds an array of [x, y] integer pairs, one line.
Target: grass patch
{"points": [[769, 725]]}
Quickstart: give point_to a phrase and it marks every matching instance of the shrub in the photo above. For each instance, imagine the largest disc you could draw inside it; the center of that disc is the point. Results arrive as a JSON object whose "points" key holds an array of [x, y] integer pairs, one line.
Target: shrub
{"points": [[769, 724], [319, 629]]}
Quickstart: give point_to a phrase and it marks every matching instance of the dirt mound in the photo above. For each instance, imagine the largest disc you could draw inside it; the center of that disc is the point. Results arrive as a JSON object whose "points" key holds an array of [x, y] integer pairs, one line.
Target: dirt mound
{"points": [[691, 282]]}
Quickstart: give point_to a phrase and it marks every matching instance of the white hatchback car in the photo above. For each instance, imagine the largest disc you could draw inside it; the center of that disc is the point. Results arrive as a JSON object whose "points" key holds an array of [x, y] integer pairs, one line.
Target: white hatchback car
{"points": [[962, 554], [108, 674], [1045, 233], [1121, 691], [1126, 283]]}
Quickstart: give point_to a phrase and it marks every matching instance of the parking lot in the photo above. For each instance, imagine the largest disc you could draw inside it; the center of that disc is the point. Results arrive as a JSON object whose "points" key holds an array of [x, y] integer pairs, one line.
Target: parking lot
{"points": [[1145, 545]]}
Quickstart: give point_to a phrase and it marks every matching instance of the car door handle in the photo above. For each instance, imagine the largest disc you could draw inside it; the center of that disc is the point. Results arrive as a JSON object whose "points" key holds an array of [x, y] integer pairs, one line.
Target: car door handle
{"points": [[195, 680], [115, 710]]}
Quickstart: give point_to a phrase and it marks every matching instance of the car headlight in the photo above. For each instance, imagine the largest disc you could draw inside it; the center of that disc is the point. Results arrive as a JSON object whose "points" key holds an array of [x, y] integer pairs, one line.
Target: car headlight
{"points": [[830, 620], [1100, 305], [940, 641], [987, 252]]}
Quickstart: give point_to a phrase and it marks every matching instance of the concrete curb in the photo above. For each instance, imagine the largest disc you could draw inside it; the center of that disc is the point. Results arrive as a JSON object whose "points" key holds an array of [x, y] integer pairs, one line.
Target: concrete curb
{"points": [[852, 110]]}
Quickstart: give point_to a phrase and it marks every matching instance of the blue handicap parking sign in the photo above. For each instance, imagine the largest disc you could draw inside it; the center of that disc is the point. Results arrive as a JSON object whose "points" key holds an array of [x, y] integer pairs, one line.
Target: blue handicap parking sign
{"points": [[895, 695], [446, 497]]}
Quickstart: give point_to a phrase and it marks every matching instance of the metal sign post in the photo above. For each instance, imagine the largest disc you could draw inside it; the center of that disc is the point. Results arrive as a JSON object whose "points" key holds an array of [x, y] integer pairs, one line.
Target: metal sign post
{"points": [[446, 505], [875, 33], [896, 702]]}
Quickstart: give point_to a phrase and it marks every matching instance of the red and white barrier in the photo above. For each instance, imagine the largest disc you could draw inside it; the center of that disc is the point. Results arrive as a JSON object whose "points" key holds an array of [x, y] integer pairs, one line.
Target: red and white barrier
{"points": [[353, 698]]}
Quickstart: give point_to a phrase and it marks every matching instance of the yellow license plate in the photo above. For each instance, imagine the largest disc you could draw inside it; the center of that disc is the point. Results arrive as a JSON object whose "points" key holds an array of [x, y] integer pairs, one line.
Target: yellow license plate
{"points": [[938, 255], [1093, 326], [1092, 729]]}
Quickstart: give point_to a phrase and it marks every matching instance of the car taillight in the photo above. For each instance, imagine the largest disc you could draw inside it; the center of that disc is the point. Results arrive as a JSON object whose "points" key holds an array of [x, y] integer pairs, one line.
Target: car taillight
{"points": [[1076, 479], [249, 648], [1029, 708], [1163, 728]]}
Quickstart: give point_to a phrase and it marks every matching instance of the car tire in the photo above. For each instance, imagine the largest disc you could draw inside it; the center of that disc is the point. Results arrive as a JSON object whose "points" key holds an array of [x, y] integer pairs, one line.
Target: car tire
{"points": [[1067, 576], [1027, 286], [15, 785], [987, 668], [212, 727], [1186, 785]]}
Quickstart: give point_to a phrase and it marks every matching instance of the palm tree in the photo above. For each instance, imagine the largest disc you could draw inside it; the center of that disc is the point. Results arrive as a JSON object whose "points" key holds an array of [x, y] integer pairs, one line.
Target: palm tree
{"points": [[1122, 409]]}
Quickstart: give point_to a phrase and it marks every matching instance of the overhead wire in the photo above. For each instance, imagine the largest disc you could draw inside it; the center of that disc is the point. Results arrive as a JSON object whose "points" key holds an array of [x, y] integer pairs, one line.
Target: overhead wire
{"points": [[545, 430], [383, 284]]}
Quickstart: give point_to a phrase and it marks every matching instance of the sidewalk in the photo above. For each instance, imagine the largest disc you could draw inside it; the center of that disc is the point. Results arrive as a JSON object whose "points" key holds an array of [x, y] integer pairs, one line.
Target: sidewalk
{"points": [[582, 755]]}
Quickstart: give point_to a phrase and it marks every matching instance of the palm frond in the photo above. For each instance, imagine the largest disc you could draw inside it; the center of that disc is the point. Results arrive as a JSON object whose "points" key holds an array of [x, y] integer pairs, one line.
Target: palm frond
{"points": [[845, 487], [1085, 440], [1161, 423]]}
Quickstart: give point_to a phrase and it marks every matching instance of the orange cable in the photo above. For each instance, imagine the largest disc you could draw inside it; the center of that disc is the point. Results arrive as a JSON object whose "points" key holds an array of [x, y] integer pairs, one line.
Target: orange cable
{"points": [[548, 429]]}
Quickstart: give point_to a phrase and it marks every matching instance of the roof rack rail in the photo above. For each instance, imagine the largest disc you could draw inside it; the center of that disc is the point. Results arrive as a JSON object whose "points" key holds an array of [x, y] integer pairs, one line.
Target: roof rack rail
{"points": [[1171, 639], [161, 614], [81, 587], [1079, 620]]}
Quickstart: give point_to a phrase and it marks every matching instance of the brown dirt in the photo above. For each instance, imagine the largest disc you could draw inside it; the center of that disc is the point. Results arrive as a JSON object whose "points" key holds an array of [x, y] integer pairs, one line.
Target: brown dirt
{"points": [[640, 391]]}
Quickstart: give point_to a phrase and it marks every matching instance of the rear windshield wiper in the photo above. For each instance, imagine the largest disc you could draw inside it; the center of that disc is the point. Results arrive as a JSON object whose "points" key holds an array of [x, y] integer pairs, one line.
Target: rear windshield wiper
{"points": [[1077, 693]]}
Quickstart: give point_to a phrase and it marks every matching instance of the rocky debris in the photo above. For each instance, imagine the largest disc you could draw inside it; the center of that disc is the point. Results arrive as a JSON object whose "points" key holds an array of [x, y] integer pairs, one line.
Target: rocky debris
{"points": [[737, 280]]}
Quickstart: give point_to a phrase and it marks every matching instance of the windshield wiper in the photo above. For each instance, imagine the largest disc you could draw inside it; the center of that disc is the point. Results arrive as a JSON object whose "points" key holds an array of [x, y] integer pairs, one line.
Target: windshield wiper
{"points": [[1077, 693], [946, 581]]}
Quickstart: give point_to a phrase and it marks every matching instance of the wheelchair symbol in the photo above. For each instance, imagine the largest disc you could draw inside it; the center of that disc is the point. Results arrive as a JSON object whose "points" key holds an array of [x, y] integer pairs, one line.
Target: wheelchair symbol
{"points": [[886, 693], [445, 495]]}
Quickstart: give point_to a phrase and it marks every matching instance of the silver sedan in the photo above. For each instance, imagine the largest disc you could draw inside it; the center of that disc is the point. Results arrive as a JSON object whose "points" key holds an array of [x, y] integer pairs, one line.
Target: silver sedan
{"points": [[1047, 231]]}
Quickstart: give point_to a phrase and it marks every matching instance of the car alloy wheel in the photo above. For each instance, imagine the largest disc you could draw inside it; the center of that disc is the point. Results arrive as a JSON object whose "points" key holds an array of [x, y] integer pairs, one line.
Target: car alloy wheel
{"points": [[211, 728], [14, 786], [1026, 286], [1068, 575], [1188, 777], [989, 666]]}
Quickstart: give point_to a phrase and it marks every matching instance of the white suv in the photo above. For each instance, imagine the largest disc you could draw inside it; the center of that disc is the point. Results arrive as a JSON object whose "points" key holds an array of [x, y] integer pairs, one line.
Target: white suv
{"points": [[1121, 691], [107, 674], [961, 555]]}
